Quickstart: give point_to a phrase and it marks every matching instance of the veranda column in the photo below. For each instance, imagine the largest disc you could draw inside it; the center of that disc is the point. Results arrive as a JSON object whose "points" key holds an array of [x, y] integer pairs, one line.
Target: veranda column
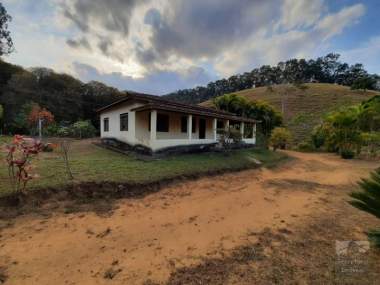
{"points": [[242, 130], [227, 126], [254, 133], [214, 126], [189, 126], [153, 128]]}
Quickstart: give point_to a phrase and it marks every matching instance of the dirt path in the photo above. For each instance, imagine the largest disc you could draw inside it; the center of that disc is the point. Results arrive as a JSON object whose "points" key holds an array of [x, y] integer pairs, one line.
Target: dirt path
{"points": [[172, 233]]}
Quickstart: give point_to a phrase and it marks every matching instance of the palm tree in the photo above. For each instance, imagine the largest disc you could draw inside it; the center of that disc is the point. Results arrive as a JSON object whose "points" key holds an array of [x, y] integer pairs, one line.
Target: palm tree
{"points": [[369, 201]]}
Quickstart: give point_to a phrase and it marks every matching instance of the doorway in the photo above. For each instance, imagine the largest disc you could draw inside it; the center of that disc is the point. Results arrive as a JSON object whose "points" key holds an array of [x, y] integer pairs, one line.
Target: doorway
{"points": [[202, 128]]}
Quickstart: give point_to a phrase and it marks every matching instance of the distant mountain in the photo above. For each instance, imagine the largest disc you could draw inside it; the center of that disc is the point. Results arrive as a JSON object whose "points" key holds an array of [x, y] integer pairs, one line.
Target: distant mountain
{"points": [[304, 106]]}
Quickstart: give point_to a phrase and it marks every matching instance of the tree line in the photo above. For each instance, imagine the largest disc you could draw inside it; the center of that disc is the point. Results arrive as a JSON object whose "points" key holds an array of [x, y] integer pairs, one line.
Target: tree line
{"points": [[68, 99], [326, 69]]}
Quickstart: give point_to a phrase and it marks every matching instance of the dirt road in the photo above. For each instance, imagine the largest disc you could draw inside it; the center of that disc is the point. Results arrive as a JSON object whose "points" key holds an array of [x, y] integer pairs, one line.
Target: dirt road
{"points": [[197, 232]]}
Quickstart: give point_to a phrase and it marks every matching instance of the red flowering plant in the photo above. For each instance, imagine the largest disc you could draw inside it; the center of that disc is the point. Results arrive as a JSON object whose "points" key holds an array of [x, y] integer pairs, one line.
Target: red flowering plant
{"points": [[19, 155]]}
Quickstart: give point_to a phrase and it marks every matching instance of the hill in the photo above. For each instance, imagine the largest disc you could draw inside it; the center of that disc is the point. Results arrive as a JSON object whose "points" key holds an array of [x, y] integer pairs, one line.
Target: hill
{"points": [[326, 69], [305, 105], [66, 97]]}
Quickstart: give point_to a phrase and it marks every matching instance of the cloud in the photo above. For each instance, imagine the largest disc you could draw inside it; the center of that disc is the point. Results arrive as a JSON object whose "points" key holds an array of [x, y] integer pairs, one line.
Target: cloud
{"points": [[282, 45], [158, 82], [111, 15], [158, 46], [202, 29], [300, 13], [102, 22], [333, 24], [82, 42], [368, 53]]}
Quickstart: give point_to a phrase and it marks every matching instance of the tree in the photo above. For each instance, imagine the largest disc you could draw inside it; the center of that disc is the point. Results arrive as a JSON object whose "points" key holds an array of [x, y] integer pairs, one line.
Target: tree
{"points": [[257, 110], [6, 43], [38, 117], [364, 83], [232, 103], [20, 120], [369, 201]]}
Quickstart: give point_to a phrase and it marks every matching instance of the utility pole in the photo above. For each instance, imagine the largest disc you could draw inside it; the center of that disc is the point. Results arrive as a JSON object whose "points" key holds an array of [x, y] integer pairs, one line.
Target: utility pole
{"points": [[39, 127]]}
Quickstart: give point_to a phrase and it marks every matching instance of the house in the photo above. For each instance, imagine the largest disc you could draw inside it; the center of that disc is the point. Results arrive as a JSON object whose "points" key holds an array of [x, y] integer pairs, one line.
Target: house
{"points": [[157, 124]]}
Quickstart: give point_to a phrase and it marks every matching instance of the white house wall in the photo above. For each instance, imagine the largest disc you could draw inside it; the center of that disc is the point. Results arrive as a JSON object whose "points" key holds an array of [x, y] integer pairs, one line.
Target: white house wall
{"points": [[138, 128], [113, 116]]}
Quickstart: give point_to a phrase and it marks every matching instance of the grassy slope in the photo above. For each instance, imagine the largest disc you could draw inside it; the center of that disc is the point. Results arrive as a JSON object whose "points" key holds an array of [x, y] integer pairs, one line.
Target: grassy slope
{"points": [[92, 163], [304, 108]]}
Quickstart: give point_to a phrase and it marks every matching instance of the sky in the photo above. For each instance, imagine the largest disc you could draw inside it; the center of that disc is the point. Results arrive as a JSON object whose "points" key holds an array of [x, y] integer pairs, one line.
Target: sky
{"points": [[160, 46]]}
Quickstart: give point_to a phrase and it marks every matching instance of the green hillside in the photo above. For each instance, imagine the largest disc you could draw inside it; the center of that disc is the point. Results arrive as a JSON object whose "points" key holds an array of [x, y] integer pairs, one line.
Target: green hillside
{"points": [[304, 106]]}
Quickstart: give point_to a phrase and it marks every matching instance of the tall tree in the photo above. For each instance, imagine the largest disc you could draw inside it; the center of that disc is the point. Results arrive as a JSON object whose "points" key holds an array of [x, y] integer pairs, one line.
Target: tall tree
{"points": [[6, 43]]}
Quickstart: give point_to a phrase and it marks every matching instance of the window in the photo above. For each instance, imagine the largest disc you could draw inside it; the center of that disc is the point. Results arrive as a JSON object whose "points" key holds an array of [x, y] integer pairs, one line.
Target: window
{"points": [[162, 123], [194, 125], [184, 124], [106, 124], [124, 122]]}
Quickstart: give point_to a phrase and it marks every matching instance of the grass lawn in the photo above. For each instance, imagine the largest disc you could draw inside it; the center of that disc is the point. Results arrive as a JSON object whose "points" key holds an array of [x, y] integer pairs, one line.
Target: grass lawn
{"points": [[92, 163]]}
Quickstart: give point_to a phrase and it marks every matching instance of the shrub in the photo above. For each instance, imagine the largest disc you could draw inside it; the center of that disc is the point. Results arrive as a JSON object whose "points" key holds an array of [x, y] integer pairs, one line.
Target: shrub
{"points": [[369, 201], [280, 138], [305, 146], [83, 129], [51, 130], [64, 132], [347, 154], [324, 135], [19, 155], [229, 137]]}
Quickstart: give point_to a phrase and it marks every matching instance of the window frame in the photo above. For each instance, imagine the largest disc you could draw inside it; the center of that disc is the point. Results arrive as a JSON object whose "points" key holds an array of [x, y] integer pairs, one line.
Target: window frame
{"points": [[123, 116]]}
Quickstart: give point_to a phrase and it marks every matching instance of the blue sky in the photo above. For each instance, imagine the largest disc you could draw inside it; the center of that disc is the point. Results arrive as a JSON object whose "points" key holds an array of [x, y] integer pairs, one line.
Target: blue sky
{"points": [[159, 46]]}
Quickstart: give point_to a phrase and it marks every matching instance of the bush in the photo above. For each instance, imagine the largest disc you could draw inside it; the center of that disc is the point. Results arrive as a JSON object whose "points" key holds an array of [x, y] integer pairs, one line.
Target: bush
{"points": [[227, 138], [306, 146], [64, 132], [51, 130], [280, 138], [368, 200], [83, 129], [324, 135], [347, 154], [20, 153]]}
